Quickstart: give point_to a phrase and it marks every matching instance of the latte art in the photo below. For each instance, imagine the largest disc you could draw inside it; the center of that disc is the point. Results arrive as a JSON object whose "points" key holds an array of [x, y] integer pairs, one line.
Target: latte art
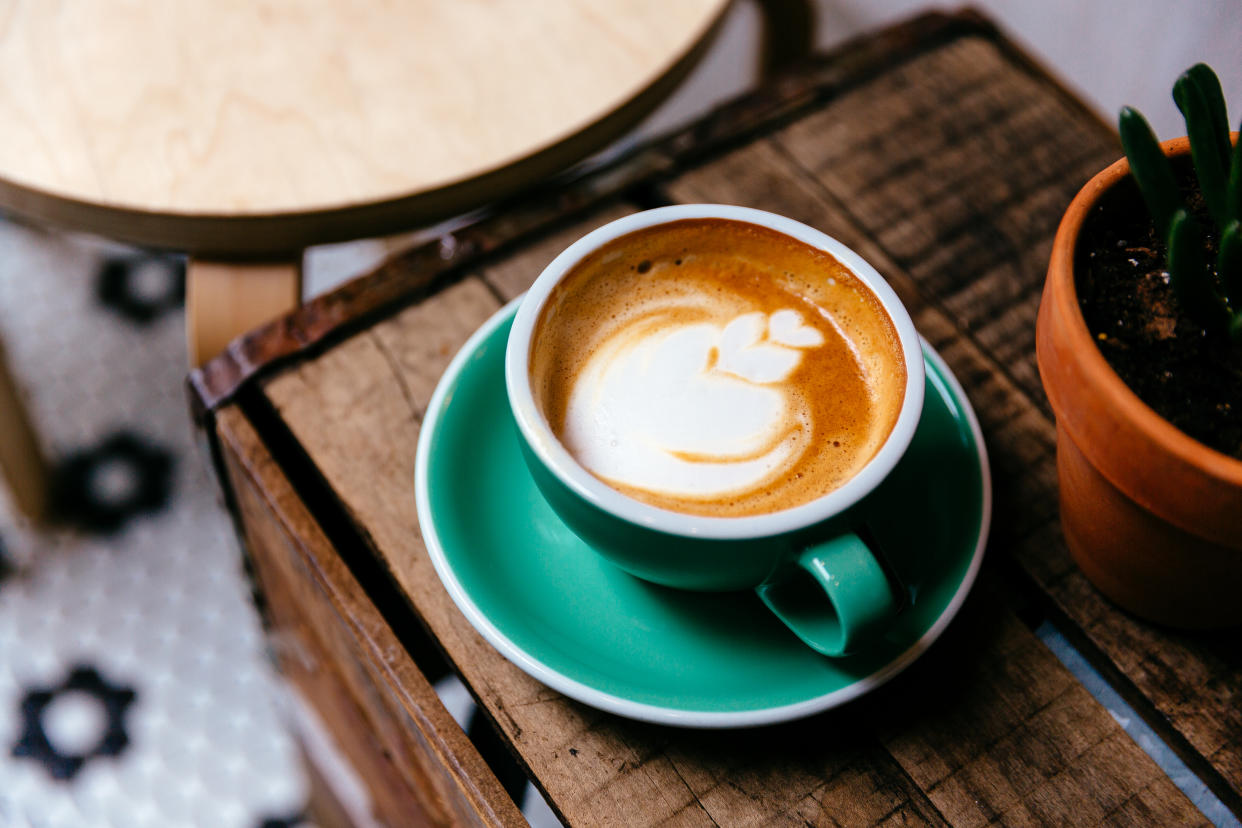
{"points": [[692, 409], [716, 367]]}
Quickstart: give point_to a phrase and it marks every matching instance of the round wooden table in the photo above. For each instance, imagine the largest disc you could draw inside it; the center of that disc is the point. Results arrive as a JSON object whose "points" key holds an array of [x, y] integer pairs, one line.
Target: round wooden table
{"points": [[242, 131]]}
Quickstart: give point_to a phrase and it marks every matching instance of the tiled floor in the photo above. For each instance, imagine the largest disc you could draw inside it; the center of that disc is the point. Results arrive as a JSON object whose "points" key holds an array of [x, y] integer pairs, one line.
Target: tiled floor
{"points": [[133, 685]]}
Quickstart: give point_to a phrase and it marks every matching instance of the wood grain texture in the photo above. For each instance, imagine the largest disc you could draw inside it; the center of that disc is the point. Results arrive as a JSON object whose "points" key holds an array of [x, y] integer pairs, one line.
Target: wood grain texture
{"points": [[973, 231], [510, 276], [968, 788], [988, 727], [23, 469], [418, 765], [225, 299], [842, 768], [162, 112], [997, 731]]}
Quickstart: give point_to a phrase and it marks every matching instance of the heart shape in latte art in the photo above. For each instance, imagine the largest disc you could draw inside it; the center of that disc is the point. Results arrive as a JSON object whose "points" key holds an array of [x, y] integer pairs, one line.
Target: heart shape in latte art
{"points": [[694, 408]]}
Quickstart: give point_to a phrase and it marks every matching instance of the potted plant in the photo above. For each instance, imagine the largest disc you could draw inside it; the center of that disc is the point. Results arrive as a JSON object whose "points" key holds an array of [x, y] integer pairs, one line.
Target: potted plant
{"points": [[1139, 345]]}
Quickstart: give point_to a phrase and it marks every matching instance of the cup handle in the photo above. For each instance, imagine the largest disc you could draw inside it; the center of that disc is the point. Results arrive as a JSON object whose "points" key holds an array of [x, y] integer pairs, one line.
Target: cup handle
{"points": [[846, 601]]}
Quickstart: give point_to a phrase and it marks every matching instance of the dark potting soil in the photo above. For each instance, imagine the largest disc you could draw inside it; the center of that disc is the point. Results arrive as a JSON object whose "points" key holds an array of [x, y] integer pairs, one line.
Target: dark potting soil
{"points": [[1189, 377]]}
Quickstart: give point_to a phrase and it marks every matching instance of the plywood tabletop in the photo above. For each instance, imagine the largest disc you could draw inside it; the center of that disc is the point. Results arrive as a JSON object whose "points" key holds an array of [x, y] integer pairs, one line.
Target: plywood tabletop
{"points": [[233, 108]]}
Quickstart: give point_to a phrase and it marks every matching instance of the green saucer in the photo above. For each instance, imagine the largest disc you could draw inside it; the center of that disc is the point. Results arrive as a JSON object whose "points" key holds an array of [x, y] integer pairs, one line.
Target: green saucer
{"points": [[580, 625]]}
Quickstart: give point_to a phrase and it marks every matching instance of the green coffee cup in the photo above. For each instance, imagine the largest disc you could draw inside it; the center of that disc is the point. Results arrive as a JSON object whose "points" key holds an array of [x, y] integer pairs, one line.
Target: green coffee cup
{"points": [[810, 564]]}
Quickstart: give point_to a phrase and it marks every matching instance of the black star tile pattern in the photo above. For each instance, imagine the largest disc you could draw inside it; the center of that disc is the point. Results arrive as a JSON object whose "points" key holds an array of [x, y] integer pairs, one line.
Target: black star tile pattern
{"points": [[80, 499], [33, 742], [120, 286], [148, 576]]}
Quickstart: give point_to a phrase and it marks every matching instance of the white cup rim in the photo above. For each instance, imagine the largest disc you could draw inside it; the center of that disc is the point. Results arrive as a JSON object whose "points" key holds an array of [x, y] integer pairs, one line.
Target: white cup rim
{"points": [[539, 437]]}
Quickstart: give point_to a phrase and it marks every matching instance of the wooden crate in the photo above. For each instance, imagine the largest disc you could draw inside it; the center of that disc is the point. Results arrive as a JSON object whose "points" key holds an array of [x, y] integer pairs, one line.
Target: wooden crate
{"points": [[944, 156]]}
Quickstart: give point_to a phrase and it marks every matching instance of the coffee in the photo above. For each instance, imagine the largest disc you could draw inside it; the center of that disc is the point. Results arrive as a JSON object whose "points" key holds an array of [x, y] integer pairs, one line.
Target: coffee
{"points": [[716, 367]]}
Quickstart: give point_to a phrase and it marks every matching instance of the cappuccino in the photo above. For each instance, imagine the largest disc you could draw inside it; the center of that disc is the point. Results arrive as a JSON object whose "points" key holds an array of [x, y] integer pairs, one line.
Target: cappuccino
{"points": [[716, 367]]}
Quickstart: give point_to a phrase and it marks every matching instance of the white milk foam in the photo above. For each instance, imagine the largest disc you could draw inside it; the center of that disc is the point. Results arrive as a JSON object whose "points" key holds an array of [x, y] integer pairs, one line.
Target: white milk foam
{"points": [[697, 409]]}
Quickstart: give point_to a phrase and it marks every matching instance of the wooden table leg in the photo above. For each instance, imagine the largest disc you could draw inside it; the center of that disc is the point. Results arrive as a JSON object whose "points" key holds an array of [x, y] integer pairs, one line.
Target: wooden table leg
{"points": [[22, 465], [788, 34], [226, 299]]}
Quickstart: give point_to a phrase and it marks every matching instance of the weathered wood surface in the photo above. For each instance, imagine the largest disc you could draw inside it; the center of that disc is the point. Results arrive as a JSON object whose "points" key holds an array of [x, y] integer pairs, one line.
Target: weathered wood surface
{"points": [[965, 234], [341, 655], [948, 168], [23, 469], [1016, 736], [974, 232]]}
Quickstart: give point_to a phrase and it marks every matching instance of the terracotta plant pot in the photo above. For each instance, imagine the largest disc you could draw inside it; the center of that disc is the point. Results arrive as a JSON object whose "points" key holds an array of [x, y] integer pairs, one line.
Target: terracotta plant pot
{"points": [[1152, 516]]}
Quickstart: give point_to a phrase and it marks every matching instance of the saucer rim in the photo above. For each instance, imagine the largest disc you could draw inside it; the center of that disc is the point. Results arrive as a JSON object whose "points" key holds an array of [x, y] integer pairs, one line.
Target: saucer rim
{"points": [[659, 714]]}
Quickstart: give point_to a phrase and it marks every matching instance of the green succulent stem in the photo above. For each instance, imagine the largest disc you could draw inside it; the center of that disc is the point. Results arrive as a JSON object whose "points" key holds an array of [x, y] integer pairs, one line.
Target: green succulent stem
{"points": [[1187, 269], [1214, 97], [1209, 292], [1229, 265], [1150, 168], [1199, 99]]}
